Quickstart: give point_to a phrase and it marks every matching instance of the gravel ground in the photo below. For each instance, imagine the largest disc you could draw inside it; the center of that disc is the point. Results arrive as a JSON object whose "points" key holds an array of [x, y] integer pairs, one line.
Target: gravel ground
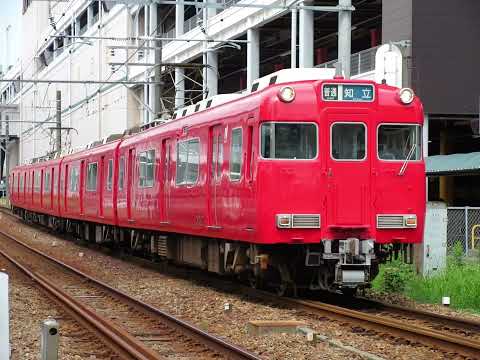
{"points": [[203, 306], [29, 307]]}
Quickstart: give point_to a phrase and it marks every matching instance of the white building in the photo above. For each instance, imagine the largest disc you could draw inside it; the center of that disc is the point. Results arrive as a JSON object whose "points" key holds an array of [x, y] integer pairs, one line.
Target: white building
{"points": [[239, 43]]}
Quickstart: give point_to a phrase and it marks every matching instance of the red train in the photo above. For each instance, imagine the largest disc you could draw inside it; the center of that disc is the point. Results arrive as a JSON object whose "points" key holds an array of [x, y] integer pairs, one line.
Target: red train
{"points": [[304, 181]]}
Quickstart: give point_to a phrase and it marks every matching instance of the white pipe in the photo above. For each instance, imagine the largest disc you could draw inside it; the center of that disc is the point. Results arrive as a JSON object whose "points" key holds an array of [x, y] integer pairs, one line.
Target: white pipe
{"points": [[4, 318], [294, 39]]}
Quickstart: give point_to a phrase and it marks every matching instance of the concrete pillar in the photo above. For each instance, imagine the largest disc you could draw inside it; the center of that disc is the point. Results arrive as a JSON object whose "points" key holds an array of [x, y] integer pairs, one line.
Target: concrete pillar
{"points": [[253, 56], [146, 98], [306, 37], [293, 46], [179, 73], [154, 90], [345, 37]]}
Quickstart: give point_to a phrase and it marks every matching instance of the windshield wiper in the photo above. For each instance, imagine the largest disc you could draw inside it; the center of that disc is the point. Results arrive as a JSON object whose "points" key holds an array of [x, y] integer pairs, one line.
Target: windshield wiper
{"points": [[405, 163]]}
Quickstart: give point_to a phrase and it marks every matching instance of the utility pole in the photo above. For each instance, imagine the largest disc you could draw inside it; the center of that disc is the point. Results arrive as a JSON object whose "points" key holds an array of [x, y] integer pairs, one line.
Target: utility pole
{"points": [[345, 35], [7, 156], [58, 129]]}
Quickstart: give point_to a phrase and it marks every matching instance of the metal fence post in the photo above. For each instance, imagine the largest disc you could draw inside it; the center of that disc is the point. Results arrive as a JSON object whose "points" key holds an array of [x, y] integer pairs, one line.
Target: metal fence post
{"points": [[466, 230], [49, 341]]}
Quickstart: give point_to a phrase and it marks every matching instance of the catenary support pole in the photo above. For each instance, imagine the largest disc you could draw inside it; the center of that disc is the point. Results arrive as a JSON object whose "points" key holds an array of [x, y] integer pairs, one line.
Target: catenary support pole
{"points": [[345, 36], [253, 56], [179, 73], [58, 130], [7, 155]]}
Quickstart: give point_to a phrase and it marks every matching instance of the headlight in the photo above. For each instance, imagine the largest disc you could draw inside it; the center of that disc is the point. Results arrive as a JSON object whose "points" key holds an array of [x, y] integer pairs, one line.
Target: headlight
{"points": [[410, 221], [406, 95], [284, 221], [286, 94]]}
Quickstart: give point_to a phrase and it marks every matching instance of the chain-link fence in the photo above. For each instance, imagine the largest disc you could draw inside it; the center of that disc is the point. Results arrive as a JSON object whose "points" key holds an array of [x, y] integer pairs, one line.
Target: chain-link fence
{"points": [[461, 222]]}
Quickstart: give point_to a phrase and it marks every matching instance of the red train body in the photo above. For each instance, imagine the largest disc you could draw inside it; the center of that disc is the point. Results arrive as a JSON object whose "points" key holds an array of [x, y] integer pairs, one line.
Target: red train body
{"points": [[297, 183]]}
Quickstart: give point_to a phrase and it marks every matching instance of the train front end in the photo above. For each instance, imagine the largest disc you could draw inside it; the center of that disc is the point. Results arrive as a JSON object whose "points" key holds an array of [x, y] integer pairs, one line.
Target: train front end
{"points": [[341, 181]]}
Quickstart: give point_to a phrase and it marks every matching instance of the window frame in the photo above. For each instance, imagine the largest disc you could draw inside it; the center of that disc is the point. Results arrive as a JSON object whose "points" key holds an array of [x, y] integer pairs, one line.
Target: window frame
{"points": [[402, 160], [241, 155], [188, 184], [288, 122], [153, 170], [96, 177], [365, 156]]}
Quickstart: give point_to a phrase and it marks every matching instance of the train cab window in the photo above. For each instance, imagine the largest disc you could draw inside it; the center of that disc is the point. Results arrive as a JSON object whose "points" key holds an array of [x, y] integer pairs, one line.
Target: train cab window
{"points": [[121, 173], [146, 167], [348, 141], [47, 184], [92, 177], [110, 174], [74, 176], [236, 155], [289, 141], [399, 142], [188, 160]]}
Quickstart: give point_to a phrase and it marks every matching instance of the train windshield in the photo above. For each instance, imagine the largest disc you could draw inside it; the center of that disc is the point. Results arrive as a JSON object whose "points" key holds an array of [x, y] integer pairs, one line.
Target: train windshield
{"points": [[289, 140], [396, 141]]}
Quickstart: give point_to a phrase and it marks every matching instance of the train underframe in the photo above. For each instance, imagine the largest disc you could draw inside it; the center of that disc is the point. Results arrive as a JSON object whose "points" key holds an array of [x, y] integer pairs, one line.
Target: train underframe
{"points": [[344, 265]]}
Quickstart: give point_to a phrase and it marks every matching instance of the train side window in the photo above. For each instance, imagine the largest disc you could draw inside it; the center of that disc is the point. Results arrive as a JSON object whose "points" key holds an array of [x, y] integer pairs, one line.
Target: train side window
{"points": [[236, 155], [47, 186], [147, 168], [188, 160], [74, 175], [348, 141], [37, 180], [21, 182], [92, 176], [110, 174], [289, 141], [121, 173]]}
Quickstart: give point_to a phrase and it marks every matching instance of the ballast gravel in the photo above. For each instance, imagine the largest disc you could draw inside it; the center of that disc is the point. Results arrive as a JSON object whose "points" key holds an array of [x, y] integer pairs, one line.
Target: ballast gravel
{"points": [[203, 306]]}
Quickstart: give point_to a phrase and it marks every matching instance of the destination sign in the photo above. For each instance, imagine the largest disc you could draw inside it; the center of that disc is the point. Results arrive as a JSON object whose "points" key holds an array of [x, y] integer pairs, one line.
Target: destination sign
{"points": [[347, 92]]}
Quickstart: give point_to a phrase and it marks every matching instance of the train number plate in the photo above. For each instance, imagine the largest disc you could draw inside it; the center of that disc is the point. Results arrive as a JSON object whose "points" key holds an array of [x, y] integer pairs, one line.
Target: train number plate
{"points": [[347, 92]]}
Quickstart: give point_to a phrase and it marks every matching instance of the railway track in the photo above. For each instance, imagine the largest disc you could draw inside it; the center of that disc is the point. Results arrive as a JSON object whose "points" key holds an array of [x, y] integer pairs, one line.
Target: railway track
{"points": [[452, 336], [131, 328]]}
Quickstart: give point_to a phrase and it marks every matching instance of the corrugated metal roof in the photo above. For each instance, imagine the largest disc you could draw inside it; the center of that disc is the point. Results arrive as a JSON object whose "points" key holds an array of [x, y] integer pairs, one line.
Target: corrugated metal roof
{"points": [[453, 164]]}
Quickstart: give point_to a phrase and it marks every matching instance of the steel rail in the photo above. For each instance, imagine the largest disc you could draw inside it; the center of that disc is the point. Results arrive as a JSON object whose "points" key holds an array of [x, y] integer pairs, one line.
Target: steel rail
{"points": [[115, 338], [433, 338], [212, 342]]}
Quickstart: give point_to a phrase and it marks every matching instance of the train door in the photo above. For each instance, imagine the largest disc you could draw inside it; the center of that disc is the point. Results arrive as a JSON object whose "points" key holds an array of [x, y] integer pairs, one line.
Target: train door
{"points": [[101, 179], [215, 175], [348, 171], [81, 193], [130, 182], [167, 145]]}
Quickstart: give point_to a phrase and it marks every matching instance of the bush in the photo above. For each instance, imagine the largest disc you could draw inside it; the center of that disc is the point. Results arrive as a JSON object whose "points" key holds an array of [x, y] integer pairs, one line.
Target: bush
{"points": [[393, 277]]}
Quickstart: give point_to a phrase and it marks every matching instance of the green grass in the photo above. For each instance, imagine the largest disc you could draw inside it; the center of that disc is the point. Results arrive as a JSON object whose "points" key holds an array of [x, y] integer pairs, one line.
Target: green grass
{"points": [[460, 281]]}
